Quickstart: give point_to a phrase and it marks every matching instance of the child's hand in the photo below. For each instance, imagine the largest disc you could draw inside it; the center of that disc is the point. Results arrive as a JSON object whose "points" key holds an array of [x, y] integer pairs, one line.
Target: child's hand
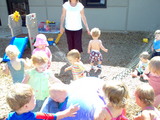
{"points": [[2, 66], [106, 50], [65, 70], [145, 77], [137, 118], [72, 110]]}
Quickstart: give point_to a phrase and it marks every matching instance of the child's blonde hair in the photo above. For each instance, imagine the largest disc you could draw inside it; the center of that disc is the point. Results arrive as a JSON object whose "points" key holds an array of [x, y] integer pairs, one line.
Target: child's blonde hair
{"points": [[116, 93], [12, 51], [74, 53], [145, 55], [154, 65], [145, 93], [19, 95], [157, 32], [95, 32], [39, 58]]}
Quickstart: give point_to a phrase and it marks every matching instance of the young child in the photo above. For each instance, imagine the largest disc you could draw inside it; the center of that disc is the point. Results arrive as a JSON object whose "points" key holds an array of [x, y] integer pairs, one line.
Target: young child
{"points": [[16, 65], [152, 74], [94, 48], [41, 44], [156, 44], [21, 99], [58, 94], [40, 78], [117, 95], [77, 67], [144, 95], [142, 65]]}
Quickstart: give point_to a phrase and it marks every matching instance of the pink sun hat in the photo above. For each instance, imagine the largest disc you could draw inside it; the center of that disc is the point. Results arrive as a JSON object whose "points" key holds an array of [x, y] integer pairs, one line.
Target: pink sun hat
{"points": [[41, 40]]}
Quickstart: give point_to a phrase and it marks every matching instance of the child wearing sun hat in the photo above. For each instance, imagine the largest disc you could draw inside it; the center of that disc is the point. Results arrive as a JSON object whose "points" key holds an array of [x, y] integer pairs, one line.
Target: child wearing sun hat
{"points": [[41, 44]]}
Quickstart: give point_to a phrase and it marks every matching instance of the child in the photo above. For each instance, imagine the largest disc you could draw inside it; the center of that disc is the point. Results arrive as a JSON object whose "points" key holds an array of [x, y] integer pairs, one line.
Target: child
{"points": [[41, 44], [21, 99], [142, 65], [77, 66], [152, 74], [94, 48], [156, 44], [58, 94], [16, 65], [117, 95], [40, 78], [145, 98]]}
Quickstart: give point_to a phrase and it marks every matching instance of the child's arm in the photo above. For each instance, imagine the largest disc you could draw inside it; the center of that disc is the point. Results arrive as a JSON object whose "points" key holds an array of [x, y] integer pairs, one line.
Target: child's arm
{"points": [[89, 47], [68, 68], [102, 47], [53, 79], [70, 112], [26, 79], [5, 68], [99, 114], [50, 54], [145, 76], [80, 65], [27, 63], [137, 117]]}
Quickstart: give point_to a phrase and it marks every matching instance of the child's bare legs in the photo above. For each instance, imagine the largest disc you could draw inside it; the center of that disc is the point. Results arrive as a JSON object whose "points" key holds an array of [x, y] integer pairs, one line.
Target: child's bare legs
{"points": [[99, 64], [134, 73], [92, 65], [157, 101]]}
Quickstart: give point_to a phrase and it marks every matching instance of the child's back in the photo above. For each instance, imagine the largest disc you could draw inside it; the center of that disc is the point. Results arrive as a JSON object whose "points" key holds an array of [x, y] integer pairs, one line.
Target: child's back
{"points": [[17, 70], [117, 95], [95, 44]]}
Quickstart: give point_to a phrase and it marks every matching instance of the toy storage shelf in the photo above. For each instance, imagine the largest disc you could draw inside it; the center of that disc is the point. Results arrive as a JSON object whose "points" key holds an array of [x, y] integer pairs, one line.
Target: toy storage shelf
{"points": [[51, 28], [48, 28]]}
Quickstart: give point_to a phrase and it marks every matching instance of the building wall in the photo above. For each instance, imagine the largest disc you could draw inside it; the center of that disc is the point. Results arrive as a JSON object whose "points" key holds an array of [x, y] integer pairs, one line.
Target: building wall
{"points": [[120, 15], [3, 13]]}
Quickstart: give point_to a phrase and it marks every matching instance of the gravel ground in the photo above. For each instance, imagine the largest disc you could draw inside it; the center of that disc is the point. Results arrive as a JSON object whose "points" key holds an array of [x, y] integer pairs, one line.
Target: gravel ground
{"points": [[124, 47]]}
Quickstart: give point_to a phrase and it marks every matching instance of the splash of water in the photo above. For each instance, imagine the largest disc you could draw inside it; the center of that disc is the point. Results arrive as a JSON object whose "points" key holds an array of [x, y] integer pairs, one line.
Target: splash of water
{"points": [[59, 54]]}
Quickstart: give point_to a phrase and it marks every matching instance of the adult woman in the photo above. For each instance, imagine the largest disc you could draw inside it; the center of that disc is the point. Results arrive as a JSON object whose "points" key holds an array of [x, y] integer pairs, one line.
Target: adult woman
{"points": [[73, 14]]}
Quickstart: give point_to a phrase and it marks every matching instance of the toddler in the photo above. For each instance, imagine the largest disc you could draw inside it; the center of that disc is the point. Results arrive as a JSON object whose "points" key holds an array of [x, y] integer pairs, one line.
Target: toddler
{"points": [[156, 44], [16, 65], [152, 74], [58, 94], [144, 95], [94, 48], [142, 65], [40, 78], [117, 95], [21, 99], [41, 44], [77, 66]]}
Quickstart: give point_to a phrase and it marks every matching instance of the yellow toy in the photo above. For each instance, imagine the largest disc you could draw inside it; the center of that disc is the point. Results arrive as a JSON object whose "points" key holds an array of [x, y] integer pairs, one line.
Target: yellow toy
{"points": [[145, 40], [58, 38]]}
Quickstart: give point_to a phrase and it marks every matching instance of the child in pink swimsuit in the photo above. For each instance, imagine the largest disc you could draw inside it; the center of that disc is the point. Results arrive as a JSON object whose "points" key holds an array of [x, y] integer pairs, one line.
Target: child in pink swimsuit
{"points": [[152, 74], [145, 98], [41, 44], [117, 95]]}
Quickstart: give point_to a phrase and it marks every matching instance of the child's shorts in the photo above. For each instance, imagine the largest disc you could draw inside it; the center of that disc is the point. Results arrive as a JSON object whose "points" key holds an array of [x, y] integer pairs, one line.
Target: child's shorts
{"points": [[95, 56]]}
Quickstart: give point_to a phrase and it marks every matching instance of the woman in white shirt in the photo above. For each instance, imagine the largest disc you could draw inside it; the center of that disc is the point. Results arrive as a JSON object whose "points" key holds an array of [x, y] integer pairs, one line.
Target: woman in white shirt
{"points": [[73, 15]]}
